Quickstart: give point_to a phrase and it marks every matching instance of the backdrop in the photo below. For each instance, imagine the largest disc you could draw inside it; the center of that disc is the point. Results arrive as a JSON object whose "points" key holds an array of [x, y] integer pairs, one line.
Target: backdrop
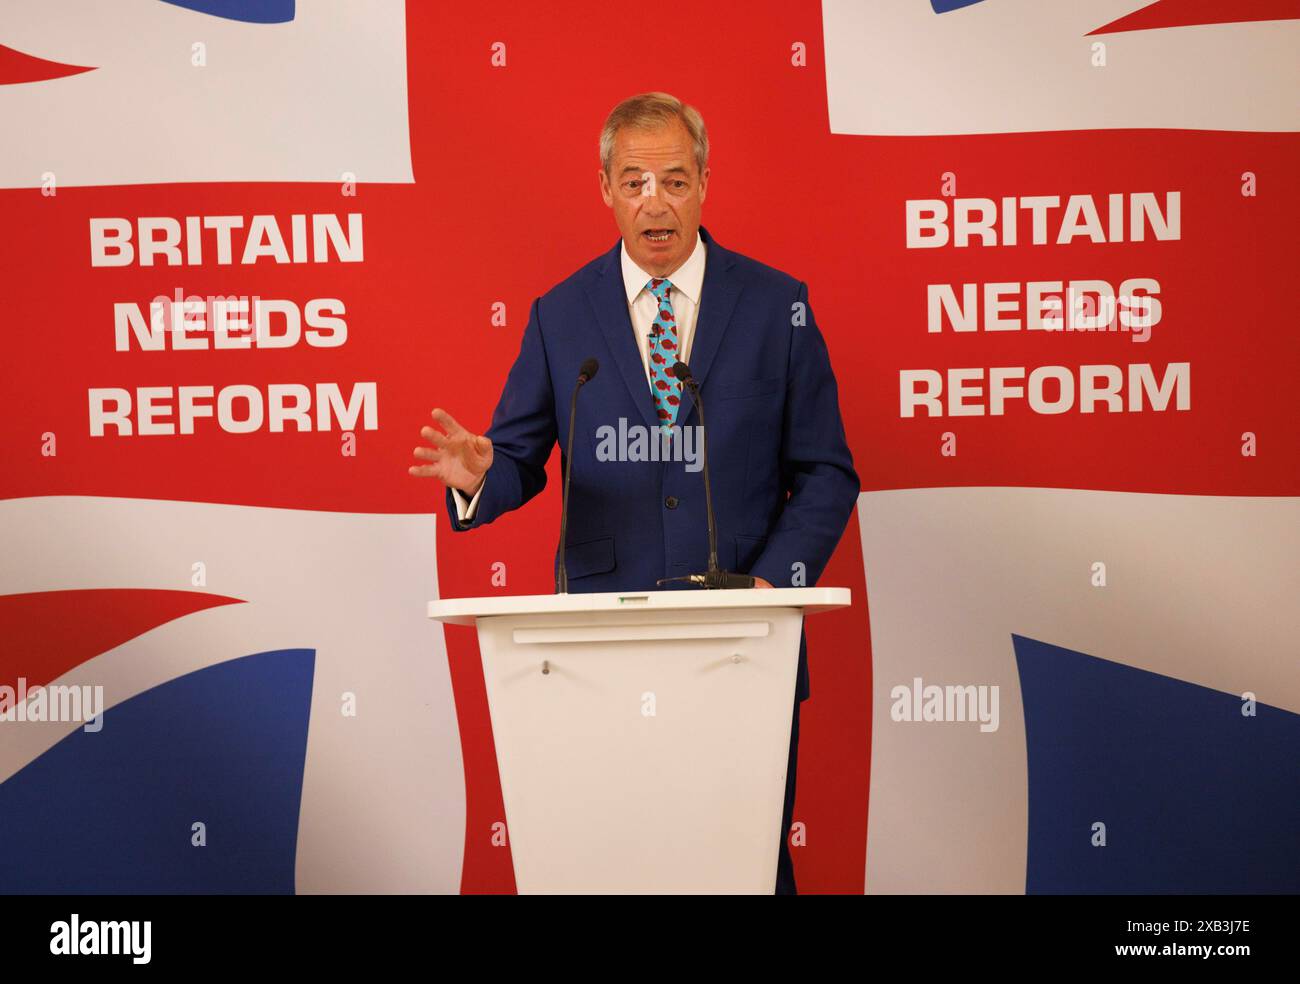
{"points": [[1051, 247]]}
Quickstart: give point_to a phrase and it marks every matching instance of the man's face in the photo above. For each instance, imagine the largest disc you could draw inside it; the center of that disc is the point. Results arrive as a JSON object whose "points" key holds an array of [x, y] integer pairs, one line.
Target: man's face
{"points": [[656, 189]]}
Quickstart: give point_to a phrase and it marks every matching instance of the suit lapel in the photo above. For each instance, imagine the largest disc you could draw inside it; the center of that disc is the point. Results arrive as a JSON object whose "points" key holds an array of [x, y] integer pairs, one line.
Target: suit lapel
{"points": [[609, 299], [717, 303]]}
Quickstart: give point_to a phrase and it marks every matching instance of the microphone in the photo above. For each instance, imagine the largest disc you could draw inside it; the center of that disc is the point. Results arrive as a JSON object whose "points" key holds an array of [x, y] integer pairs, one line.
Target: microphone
{"points": [[715, 576], [586, 373]]}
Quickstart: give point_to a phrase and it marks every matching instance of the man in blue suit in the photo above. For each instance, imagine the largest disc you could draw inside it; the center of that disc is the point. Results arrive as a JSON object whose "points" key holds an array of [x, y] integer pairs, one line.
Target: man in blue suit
{"points": [[781, 472]]}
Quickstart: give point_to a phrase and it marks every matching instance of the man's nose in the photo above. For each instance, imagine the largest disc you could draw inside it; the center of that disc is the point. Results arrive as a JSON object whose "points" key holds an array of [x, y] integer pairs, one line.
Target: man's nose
{"points": [[654, 202]]}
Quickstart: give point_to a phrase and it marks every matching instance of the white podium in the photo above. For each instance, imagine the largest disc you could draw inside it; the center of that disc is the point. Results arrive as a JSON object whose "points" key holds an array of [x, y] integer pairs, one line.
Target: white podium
{"points": [[642, 739]]}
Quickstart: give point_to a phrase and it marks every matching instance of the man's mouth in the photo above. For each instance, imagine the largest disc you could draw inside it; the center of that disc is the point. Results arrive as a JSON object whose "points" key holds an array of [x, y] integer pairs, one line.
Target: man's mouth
{"points": [[658, 235]]}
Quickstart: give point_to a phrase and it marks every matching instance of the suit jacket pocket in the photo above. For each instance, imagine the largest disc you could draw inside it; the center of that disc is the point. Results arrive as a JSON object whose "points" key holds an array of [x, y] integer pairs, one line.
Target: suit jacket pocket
{"points": [[742, 389], [590, 557]]}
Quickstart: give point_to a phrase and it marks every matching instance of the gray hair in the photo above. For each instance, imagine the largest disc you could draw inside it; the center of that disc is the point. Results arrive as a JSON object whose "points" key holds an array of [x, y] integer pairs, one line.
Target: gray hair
{"points": [[650, 110]]}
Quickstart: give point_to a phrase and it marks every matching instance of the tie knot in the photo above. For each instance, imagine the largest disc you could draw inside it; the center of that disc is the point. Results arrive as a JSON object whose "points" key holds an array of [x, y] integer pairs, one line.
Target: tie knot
{"points": [[659, 286]]}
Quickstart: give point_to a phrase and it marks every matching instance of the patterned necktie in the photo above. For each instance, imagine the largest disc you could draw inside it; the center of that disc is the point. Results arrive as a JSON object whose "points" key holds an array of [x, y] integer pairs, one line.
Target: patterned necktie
{"points": [[664, 353]]}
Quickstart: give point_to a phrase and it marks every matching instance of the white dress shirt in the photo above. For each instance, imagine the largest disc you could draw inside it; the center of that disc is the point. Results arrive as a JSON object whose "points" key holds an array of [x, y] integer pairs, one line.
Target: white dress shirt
{"points": [[688, 284]]}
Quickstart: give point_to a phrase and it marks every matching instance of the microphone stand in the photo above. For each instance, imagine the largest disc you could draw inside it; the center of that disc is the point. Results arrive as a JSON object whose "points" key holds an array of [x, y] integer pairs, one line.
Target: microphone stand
{"points": [[562, 573], [714, 576]]}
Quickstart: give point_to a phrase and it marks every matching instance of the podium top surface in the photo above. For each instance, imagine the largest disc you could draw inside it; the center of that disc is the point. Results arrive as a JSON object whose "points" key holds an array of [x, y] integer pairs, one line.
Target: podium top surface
{"points": [[464, 611]]}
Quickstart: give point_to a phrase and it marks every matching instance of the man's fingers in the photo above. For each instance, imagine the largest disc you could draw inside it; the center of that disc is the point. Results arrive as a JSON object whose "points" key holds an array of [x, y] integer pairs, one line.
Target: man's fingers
{"points": [[447, 421], [424, 471], [428, 454], [434, 437]]}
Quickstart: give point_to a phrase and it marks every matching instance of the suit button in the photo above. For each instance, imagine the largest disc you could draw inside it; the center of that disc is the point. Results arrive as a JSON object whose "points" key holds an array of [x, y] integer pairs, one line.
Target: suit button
{"points": [[671, 502]]}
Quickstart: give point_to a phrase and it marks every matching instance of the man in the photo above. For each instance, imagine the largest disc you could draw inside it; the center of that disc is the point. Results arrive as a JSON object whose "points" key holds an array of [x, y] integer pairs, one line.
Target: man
{"points": [[781, 472]]}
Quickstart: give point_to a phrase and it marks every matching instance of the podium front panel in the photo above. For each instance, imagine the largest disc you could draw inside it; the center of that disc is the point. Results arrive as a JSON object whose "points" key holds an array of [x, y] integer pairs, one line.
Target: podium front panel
{"points": [[643, 751]]}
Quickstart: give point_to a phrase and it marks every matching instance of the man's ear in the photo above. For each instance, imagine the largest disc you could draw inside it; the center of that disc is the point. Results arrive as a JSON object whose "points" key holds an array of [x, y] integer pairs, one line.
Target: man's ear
{"points": [[606, 192], [704, 183]]}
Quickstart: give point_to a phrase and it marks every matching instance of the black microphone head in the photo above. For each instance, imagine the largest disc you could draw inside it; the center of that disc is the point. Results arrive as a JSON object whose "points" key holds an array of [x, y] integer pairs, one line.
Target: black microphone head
{"points": [[588, 370], [681, 370]]}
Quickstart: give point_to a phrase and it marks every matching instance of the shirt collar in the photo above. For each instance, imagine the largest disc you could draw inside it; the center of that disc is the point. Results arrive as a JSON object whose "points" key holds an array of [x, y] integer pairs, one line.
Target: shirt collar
{"points": [[687, 279]]}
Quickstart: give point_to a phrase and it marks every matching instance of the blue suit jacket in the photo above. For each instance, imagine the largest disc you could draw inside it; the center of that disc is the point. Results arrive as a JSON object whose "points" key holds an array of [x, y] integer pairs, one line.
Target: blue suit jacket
{"points": [[780, 468]]}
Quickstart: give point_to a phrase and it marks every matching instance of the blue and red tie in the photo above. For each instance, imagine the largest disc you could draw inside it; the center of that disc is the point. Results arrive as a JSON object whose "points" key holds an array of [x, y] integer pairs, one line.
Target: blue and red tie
{"points": [[664, 386]]}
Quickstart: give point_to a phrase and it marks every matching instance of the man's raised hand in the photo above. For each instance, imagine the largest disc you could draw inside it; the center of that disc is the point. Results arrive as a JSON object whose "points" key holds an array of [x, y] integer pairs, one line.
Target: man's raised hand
{"points": [[456, 458]]}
